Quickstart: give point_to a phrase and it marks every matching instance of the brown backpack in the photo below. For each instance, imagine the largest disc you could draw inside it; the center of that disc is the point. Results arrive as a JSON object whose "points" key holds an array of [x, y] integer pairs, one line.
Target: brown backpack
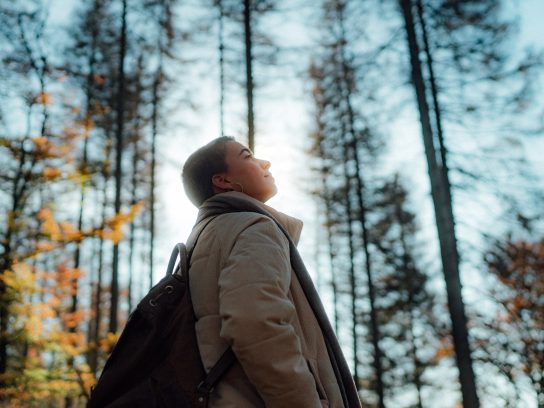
{"points": [[156, 362]]}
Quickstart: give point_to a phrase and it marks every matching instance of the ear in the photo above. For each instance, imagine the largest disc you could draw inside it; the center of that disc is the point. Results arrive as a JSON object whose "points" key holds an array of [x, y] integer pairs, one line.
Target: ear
{"points": [[220, 182]]}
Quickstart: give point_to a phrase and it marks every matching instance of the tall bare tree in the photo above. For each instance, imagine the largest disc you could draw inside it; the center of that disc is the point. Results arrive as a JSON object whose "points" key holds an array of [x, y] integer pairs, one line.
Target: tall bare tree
{"points": [[119, 145], [441, 195]]}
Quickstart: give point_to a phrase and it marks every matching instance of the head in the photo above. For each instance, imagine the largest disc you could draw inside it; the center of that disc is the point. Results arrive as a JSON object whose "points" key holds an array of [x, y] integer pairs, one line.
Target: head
{"points": [[226, 165]]}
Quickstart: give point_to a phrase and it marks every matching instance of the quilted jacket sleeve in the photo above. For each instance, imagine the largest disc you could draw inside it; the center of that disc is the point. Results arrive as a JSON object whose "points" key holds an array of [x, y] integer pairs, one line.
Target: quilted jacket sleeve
{"points": [[257, 314]]}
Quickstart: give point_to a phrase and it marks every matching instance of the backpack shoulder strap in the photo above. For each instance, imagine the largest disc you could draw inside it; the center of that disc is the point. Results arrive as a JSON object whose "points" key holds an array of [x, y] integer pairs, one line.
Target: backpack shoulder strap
{"points": [[216, 372], [184, 251], [228, 358], [195, 234]]}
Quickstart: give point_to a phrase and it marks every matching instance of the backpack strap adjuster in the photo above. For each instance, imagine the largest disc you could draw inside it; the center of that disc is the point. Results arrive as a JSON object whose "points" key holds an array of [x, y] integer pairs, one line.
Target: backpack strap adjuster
{"points": [[204, 388], [223, 364]]}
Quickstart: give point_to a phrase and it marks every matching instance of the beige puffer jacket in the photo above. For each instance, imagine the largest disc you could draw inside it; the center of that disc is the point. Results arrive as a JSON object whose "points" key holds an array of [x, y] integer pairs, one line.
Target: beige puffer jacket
{"points": [[245, 296]]}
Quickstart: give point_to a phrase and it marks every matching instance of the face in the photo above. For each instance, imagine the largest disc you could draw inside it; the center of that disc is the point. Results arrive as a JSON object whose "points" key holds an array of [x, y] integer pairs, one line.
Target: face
{"points": [[245, 173]]}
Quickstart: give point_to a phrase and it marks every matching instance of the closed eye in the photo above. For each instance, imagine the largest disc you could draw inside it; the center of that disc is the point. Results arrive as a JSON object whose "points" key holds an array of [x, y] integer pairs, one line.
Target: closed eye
{"points": [[247, 151]]}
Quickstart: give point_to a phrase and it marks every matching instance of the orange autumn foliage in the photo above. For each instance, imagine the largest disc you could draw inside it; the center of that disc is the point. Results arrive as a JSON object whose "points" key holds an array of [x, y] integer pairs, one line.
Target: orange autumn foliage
{"points": [[519, 266], [48, 329], [445, 349], [98, 79], [47, 148], [51, 173], [519, 269], [42, 314], [107, 343], [65, 232], [49, 226], [72, 320], [41, 142], [44, 98], [113, 226]]}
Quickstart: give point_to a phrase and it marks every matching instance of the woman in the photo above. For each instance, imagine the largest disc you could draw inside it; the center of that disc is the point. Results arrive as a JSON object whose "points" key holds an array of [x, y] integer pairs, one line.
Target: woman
{"points": [[251, 292]]}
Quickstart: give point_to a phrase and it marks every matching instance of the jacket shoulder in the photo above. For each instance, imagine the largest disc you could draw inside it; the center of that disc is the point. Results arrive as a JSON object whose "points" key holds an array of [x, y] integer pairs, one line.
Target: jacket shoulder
{"points": [[225, 230], [234, 223]]}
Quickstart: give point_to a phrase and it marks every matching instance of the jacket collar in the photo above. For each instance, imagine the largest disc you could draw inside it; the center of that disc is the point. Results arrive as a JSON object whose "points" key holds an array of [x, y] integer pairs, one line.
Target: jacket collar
{"points": [[234, 201]]}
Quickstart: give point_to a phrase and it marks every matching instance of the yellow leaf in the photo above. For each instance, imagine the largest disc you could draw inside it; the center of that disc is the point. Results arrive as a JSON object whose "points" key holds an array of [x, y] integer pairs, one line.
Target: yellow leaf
{"points": [[49, 225], [115, 224], [34, 327], [108, 342], [20, 278]]}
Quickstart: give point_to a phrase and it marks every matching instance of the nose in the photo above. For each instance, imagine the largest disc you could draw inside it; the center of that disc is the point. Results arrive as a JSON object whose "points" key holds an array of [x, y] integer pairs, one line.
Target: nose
{"points": [[265, 164]]}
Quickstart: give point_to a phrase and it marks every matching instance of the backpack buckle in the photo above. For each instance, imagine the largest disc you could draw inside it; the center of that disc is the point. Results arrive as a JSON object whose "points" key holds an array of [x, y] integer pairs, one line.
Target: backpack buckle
{"points": [[204, 388]]}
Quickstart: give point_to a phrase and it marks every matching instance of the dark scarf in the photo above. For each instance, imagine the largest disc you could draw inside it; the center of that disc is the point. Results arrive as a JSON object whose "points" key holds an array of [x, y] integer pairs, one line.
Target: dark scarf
{"points": [[238, 202]]}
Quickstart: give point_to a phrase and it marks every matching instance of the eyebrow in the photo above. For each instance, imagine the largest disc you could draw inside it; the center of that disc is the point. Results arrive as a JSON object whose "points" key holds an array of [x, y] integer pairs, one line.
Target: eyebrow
{"points": [[245, 149]]}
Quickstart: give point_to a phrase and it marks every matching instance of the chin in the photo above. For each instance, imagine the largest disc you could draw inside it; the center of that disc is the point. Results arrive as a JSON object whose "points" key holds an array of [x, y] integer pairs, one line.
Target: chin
{"points": [[270, 194]]}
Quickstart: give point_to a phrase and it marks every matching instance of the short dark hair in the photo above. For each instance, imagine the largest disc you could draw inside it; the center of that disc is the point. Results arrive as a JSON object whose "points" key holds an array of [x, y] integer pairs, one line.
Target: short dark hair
{"points": [[200, 167]]}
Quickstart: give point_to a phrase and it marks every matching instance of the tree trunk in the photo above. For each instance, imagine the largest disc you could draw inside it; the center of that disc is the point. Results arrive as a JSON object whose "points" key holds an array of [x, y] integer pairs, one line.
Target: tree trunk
{"points": [[328, 226], [409, 273], [84, 167], [249, 76], [334, 282], [132, 233], [354, 147], [118, 166], [154, 130], [93, 347], [221, 68], [134, 179], [349, 219], [444, 221], [434, 94], [326, 196], [93, 363], [133, 198], [6, 263], [415, 360], [82, 191], [352, 279], [378, 368]]}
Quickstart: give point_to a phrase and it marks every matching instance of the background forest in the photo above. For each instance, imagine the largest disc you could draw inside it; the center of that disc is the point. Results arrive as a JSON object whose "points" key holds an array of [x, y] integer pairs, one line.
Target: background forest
{"points": [[406, 134]]}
